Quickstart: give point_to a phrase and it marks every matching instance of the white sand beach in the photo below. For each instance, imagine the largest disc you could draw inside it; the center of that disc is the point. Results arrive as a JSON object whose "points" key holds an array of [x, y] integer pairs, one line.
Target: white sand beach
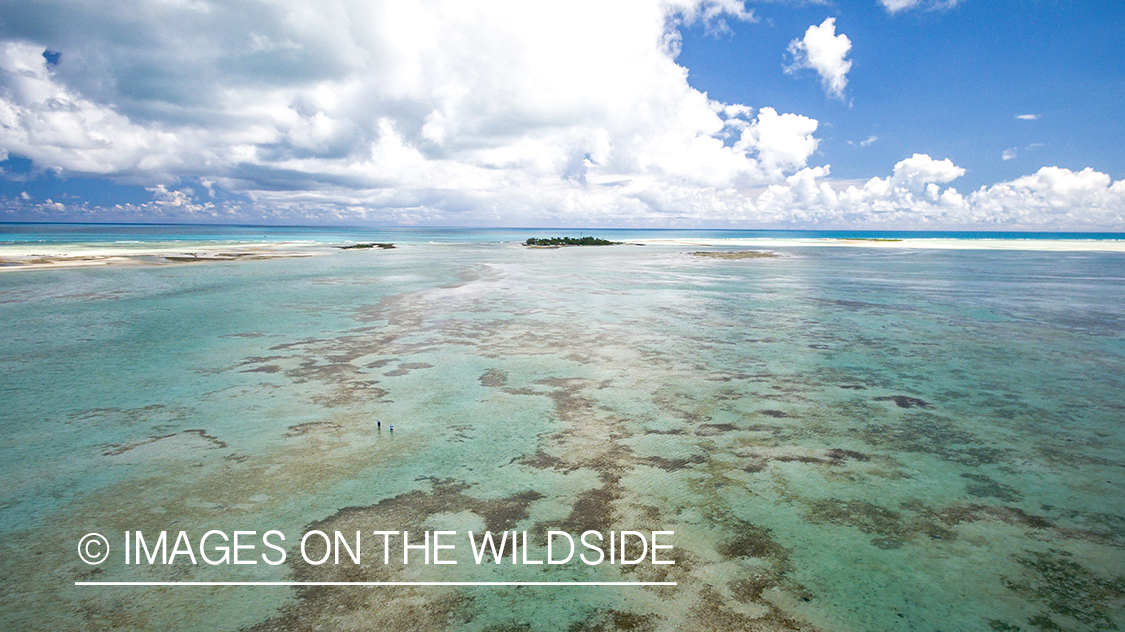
{"points": [[39, 256], [1046, 245]]}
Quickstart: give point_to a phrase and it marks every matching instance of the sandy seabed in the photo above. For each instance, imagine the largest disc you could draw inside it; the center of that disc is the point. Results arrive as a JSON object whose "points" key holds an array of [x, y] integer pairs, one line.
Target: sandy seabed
{"points": [[841, 438]]}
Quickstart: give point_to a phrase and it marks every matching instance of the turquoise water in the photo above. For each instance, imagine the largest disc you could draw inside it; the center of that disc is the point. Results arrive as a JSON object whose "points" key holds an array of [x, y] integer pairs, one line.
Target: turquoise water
{"points": [[24, 233], [841, 438]]}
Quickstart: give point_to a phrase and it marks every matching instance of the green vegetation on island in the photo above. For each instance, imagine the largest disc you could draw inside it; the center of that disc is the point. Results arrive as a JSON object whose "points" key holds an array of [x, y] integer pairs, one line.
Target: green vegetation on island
{"points": [[570, 241]]}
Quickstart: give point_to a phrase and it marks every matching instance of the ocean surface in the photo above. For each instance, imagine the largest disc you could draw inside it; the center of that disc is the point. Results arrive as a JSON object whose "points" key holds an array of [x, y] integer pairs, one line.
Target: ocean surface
{"points": [[85, 234], [840, 438]]}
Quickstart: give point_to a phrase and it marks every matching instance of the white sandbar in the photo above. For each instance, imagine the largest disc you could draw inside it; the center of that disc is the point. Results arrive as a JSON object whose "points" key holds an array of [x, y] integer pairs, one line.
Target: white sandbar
{"points": [[1048, 245]]}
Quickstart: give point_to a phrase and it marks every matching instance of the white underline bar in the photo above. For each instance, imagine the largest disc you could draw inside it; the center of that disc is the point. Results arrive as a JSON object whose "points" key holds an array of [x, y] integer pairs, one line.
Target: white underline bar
{"points": [[374, 583]]}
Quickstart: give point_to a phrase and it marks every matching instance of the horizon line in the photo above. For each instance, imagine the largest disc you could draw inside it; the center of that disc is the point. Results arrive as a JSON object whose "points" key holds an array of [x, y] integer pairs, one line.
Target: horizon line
{"points": [[995, 230]]}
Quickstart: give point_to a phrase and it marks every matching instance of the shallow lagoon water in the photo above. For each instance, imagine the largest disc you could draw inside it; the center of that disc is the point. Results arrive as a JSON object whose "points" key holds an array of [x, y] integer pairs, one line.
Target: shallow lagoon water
{"points": [[841, 438]]}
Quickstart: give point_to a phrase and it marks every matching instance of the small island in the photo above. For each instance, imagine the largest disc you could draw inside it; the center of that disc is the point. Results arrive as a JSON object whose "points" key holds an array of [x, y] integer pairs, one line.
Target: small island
{"points": [[570, 241], [366, 246]]}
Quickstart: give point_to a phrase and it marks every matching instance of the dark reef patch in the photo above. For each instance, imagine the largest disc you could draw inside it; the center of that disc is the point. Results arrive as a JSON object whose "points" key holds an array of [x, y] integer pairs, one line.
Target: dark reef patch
{"points": [[839, 454], [1009, 515], [713, 614], [774, 430], [265, 368], [928, 433], [1070, 592], [493, 378], [673, 465], [710, 430], [756, 465], [984, 487], [543, 461], [1105, 528], [751, 540], [593, 510], [891, 528], [758, 462], [121, 448], [404, 608], [798, 458], [733, 255], [613, 620], [868, 517], [519, 626], [903, 401], [157, 416], [566, 395], [297, 430]]}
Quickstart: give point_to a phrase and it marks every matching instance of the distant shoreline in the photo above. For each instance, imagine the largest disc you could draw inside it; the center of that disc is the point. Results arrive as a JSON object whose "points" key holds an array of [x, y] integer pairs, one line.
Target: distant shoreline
{"points": [[50, 256], [37, 255], [983, 243]]}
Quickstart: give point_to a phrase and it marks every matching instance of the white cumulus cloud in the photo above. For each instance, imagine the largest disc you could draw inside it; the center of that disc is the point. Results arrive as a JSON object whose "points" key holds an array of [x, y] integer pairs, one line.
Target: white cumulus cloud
{"points": [[1054, 196], [58, 128], [400, 111], [1027, 117], [445, 112], [825, 52], [894, 6], [914, 197]]}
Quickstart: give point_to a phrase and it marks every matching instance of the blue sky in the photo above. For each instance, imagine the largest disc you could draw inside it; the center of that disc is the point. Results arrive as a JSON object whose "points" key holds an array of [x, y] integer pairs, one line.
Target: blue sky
{"points": [[663, 113], [948, 83]]}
